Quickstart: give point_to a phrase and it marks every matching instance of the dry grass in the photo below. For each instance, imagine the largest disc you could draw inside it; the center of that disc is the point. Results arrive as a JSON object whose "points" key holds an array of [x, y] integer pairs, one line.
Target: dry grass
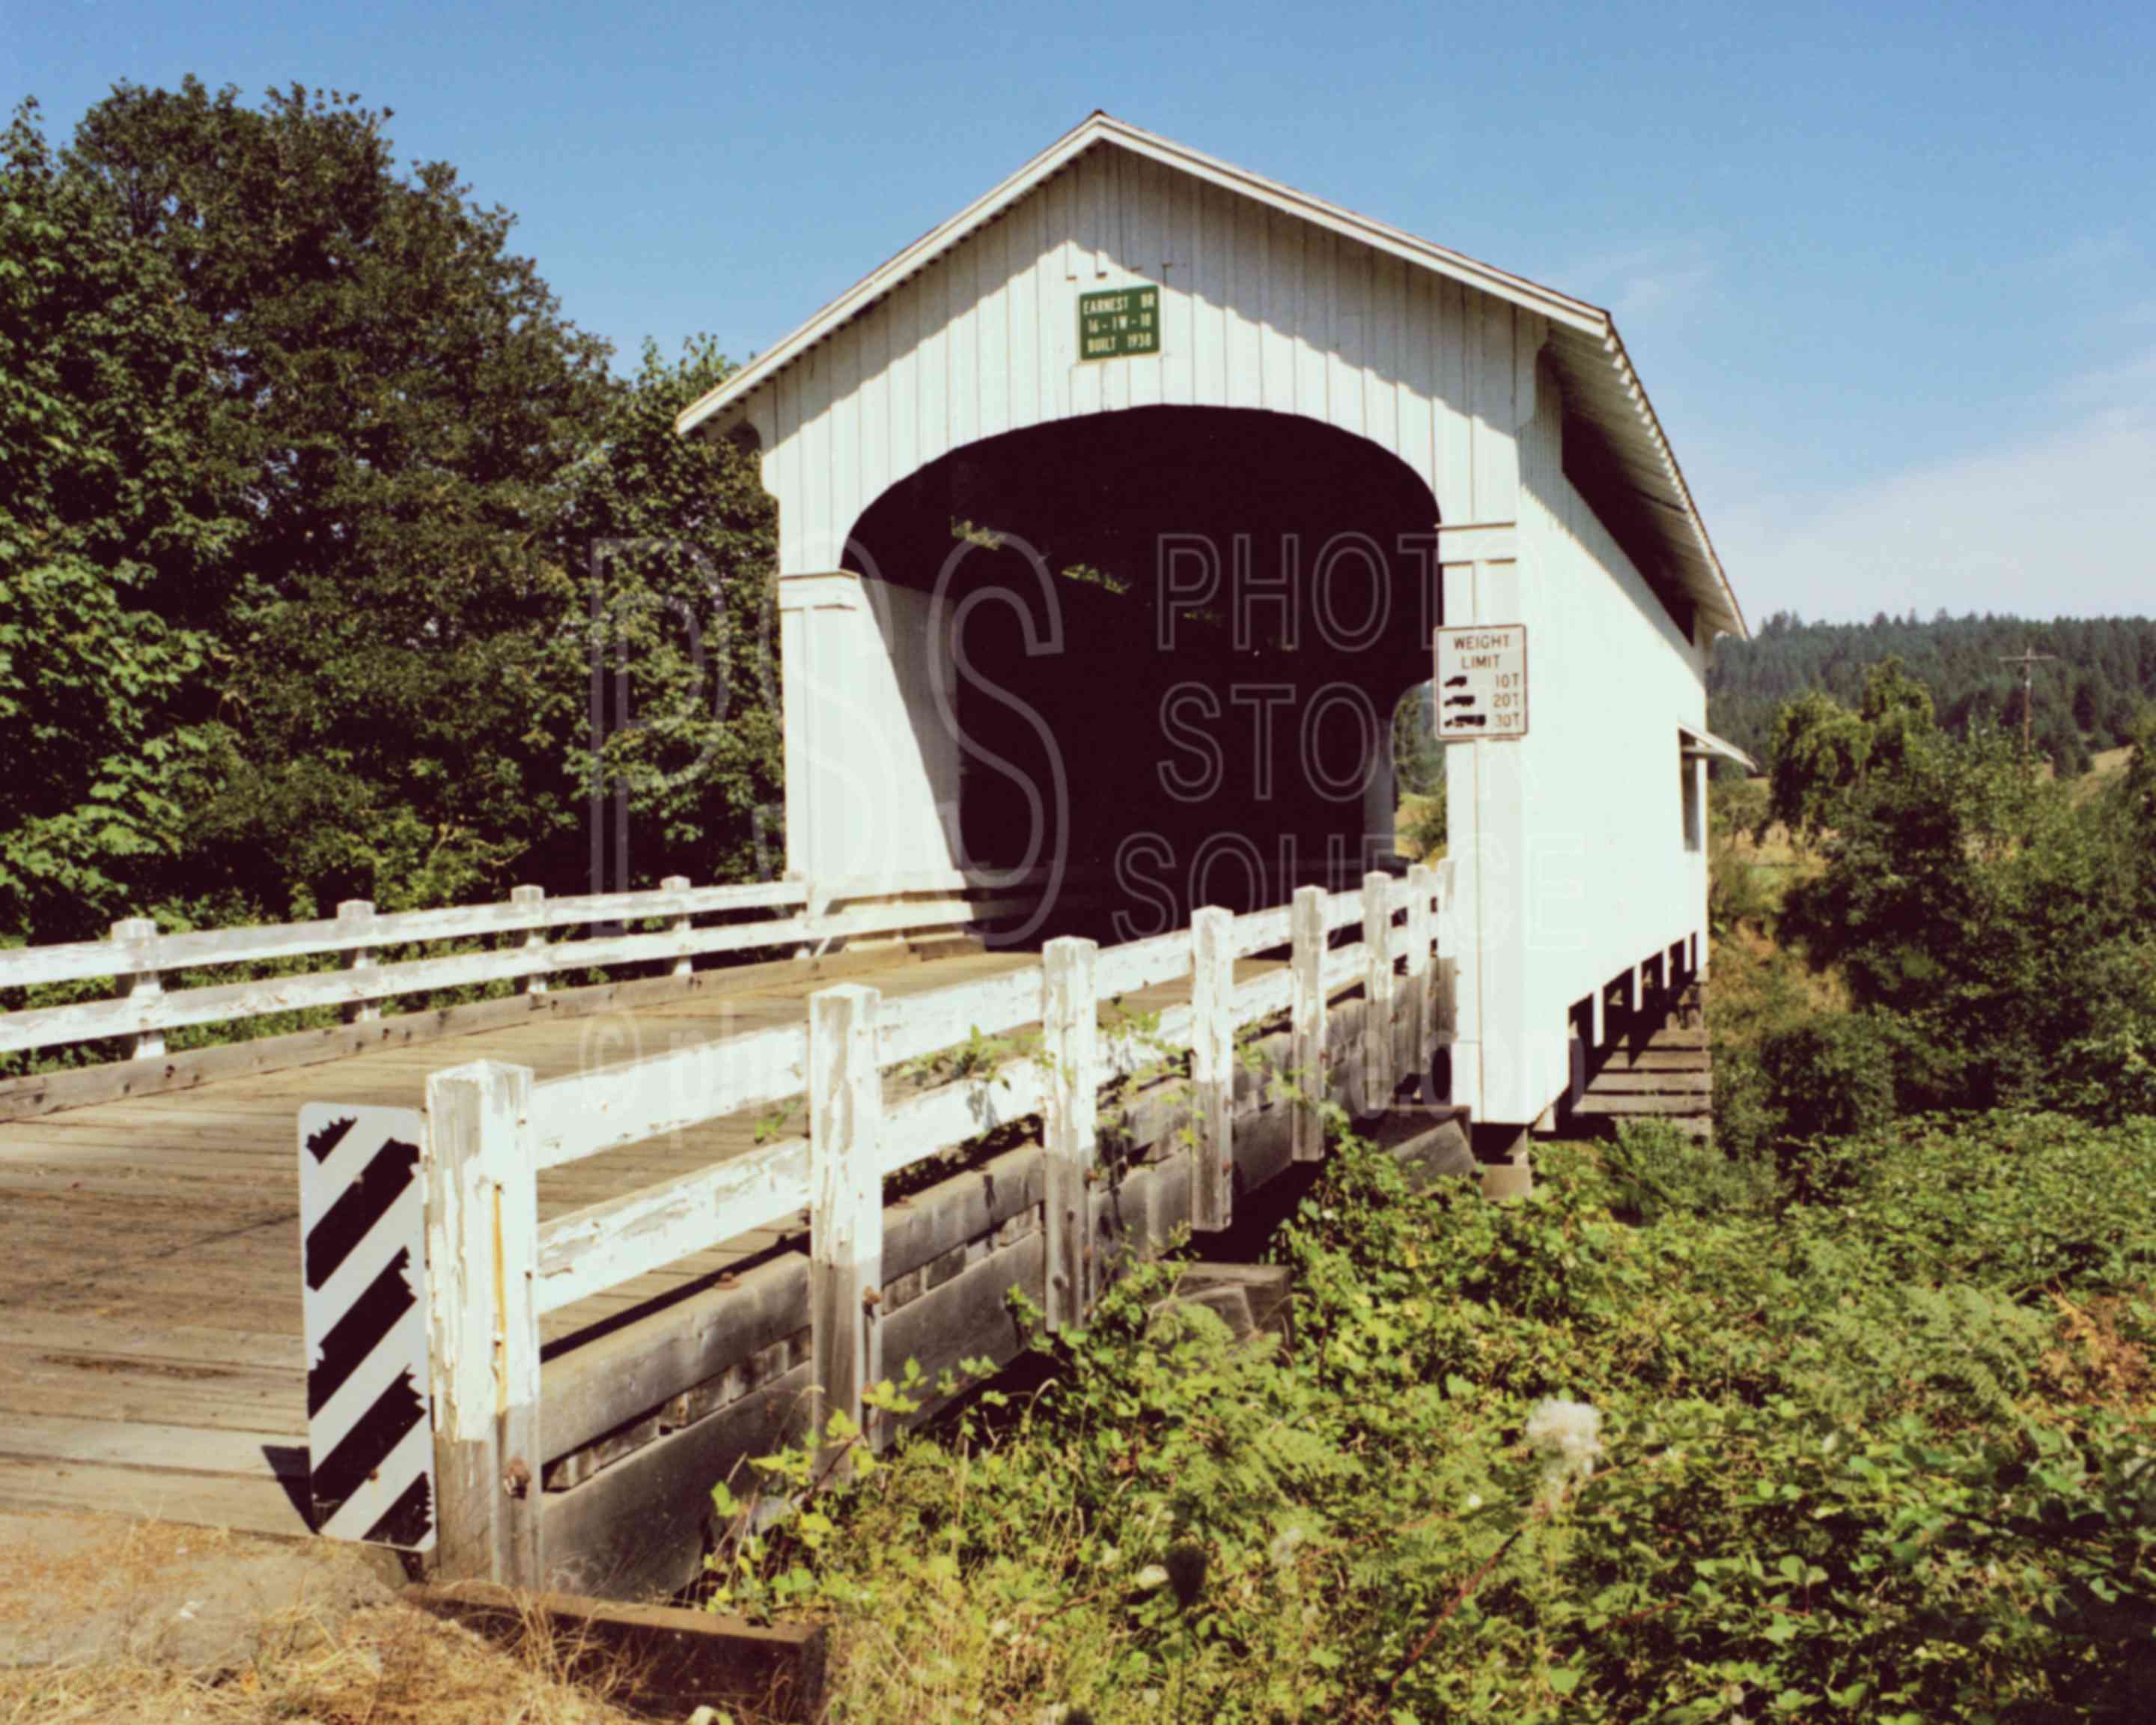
{"points": [[2104, 766], [1758, 986], [96, 1574], [306, 1635], [387, 1665]]}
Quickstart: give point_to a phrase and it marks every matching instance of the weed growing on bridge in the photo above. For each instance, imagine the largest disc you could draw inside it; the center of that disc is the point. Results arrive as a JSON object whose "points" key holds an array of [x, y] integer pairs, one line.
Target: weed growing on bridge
{"points": [[1892, 1459]]}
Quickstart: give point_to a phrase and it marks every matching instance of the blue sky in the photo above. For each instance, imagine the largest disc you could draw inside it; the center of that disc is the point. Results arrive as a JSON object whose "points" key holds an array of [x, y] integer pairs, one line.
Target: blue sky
{"points": [[1887, 270]]}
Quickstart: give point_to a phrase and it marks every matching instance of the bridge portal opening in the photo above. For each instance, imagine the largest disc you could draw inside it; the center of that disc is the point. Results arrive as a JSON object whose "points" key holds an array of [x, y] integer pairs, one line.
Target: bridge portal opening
{"points": [[1166, 646]]}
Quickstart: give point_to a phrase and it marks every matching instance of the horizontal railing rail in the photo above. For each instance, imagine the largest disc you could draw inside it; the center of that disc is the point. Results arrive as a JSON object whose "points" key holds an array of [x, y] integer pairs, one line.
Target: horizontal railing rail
{"points": [[136, 956], [492, 1126]]}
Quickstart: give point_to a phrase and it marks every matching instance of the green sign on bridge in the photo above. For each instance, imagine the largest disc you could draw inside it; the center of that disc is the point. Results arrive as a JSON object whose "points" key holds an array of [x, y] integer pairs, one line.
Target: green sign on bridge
{"points": [[1120, 322]]}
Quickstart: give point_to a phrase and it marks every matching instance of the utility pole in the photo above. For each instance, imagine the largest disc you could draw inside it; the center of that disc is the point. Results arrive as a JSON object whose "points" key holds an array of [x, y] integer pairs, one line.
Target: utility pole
{"points": [[2029, 659]]}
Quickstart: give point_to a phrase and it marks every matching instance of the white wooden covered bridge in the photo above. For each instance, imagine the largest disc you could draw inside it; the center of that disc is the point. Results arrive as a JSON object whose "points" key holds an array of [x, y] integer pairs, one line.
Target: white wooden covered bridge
{"points": [[1318, 377], [1116, 516]]}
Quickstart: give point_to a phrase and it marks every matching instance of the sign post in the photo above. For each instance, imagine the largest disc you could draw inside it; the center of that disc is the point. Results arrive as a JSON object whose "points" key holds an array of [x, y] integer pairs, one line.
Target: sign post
{"points": [[1481, 683]]}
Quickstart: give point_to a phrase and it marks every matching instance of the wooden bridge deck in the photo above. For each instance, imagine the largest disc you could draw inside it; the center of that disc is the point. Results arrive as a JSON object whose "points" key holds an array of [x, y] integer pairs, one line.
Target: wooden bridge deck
{"points": [[151, 1356]]}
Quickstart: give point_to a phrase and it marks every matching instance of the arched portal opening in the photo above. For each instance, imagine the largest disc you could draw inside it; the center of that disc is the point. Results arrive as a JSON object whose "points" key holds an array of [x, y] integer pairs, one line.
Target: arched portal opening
{"points": [[1176, 638]]}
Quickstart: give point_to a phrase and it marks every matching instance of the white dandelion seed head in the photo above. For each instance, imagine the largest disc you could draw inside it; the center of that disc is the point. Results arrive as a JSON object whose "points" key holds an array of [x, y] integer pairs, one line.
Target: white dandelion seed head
{"points": [[1567, 1435]]}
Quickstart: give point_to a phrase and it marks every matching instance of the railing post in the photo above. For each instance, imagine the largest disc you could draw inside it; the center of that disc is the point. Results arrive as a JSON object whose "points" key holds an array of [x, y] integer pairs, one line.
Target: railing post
{"points": [[1377, 992], [483, 1330], [143, 988], [1452, 943], [535, 939], [1070, 1026], [1422, 966], [1307, 1021], [684, 965], [352, 915], [846, 1215], [1212, 1067]]}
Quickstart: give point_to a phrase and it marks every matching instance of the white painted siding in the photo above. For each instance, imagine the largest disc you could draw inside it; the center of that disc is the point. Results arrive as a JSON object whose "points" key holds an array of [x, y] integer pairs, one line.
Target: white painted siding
{"points": [[871, 768], [1608, 881], [1258, 309]]}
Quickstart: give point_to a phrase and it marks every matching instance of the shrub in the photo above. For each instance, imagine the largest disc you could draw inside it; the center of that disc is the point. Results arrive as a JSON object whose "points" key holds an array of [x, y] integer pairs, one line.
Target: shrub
{"points": [[1657, 1171], [1817, 1463], [2110, 1071], [1736, 893], [1830, 1074]]}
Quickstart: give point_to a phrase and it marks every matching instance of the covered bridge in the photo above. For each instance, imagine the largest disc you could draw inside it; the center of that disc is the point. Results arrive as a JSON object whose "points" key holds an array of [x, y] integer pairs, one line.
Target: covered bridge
{"points": [[1117, 513]]}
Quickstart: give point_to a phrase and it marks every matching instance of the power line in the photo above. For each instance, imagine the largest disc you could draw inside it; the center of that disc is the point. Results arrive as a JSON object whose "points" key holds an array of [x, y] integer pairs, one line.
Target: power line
{"points": [[2028, 659]]}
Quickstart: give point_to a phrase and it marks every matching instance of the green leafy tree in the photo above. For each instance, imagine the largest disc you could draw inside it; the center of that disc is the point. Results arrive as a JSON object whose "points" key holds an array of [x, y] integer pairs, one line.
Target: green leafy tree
{"points": [[1976, 909], [673, 539], [114, 515], [1821, 751], [397, 398]]}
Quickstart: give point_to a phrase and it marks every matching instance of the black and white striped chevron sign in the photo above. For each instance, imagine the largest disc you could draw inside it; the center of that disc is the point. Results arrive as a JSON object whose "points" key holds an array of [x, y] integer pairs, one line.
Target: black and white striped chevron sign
{"points": [[362, 1231]]}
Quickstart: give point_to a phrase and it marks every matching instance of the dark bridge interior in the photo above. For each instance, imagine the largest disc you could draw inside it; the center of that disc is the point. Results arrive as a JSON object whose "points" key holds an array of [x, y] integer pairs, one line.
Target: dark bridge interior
{"points": [[1203, 617]]}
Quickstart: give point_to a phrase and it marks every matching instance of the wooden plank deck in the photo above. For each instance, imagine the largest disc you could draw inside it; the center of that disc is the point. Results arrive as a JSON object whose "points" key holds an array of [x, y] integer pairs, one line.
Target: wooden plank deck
{"points": [[151, 1355]]}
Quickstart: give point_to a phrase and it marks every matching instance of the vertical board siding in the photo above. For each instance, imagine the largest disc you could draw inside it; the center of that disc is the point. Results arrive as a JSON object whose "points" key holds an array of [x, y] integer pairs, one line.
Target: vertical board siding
{"points": [[814, 391], [1212, 241], [1245, 224], [1382, 360], [1258, 310], [1145, 217], [876, 469], [1024, 262], [937, 338], [1282, 312], [964, 268], [845, 416], [1351, 308], [901, 313], [993, 362], [1455, 477], [1416, 356], [1182, 308]]}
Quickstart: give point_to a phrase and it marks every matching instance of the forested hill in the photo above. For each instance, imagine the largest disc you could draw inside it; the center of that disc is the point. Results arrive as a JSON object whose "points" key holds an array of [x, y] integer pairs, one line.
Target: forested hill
{"points": [[2085, 698]]}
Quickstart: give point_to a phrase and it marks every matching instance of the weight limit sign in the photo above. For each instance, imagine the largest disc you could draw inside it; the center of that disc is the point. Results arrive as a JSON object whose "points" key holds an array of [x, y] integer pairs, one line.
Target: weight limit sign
{"points": [[1481, 683]]}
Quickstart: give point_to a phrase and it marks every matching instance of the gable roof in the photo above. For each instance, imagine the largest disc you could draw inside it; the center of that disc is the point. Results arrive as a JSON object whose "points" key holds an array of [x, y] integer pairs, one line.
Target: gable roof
{"points": [[1628, 471]]}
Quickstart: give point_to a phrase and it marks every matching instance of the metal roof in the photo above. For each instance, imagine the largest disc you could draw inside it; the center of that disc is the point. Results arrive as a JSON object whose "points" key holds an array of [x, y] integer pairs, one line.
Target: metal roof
{"points": [[1635, 473]]}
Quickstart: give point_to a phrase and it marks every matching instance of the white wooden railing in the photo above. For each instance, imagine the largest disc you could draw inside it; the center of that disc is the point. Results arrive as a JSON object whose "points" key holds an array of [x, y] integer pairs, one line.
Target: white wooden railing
{"points": [[139, 958], [496, 1270]]}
